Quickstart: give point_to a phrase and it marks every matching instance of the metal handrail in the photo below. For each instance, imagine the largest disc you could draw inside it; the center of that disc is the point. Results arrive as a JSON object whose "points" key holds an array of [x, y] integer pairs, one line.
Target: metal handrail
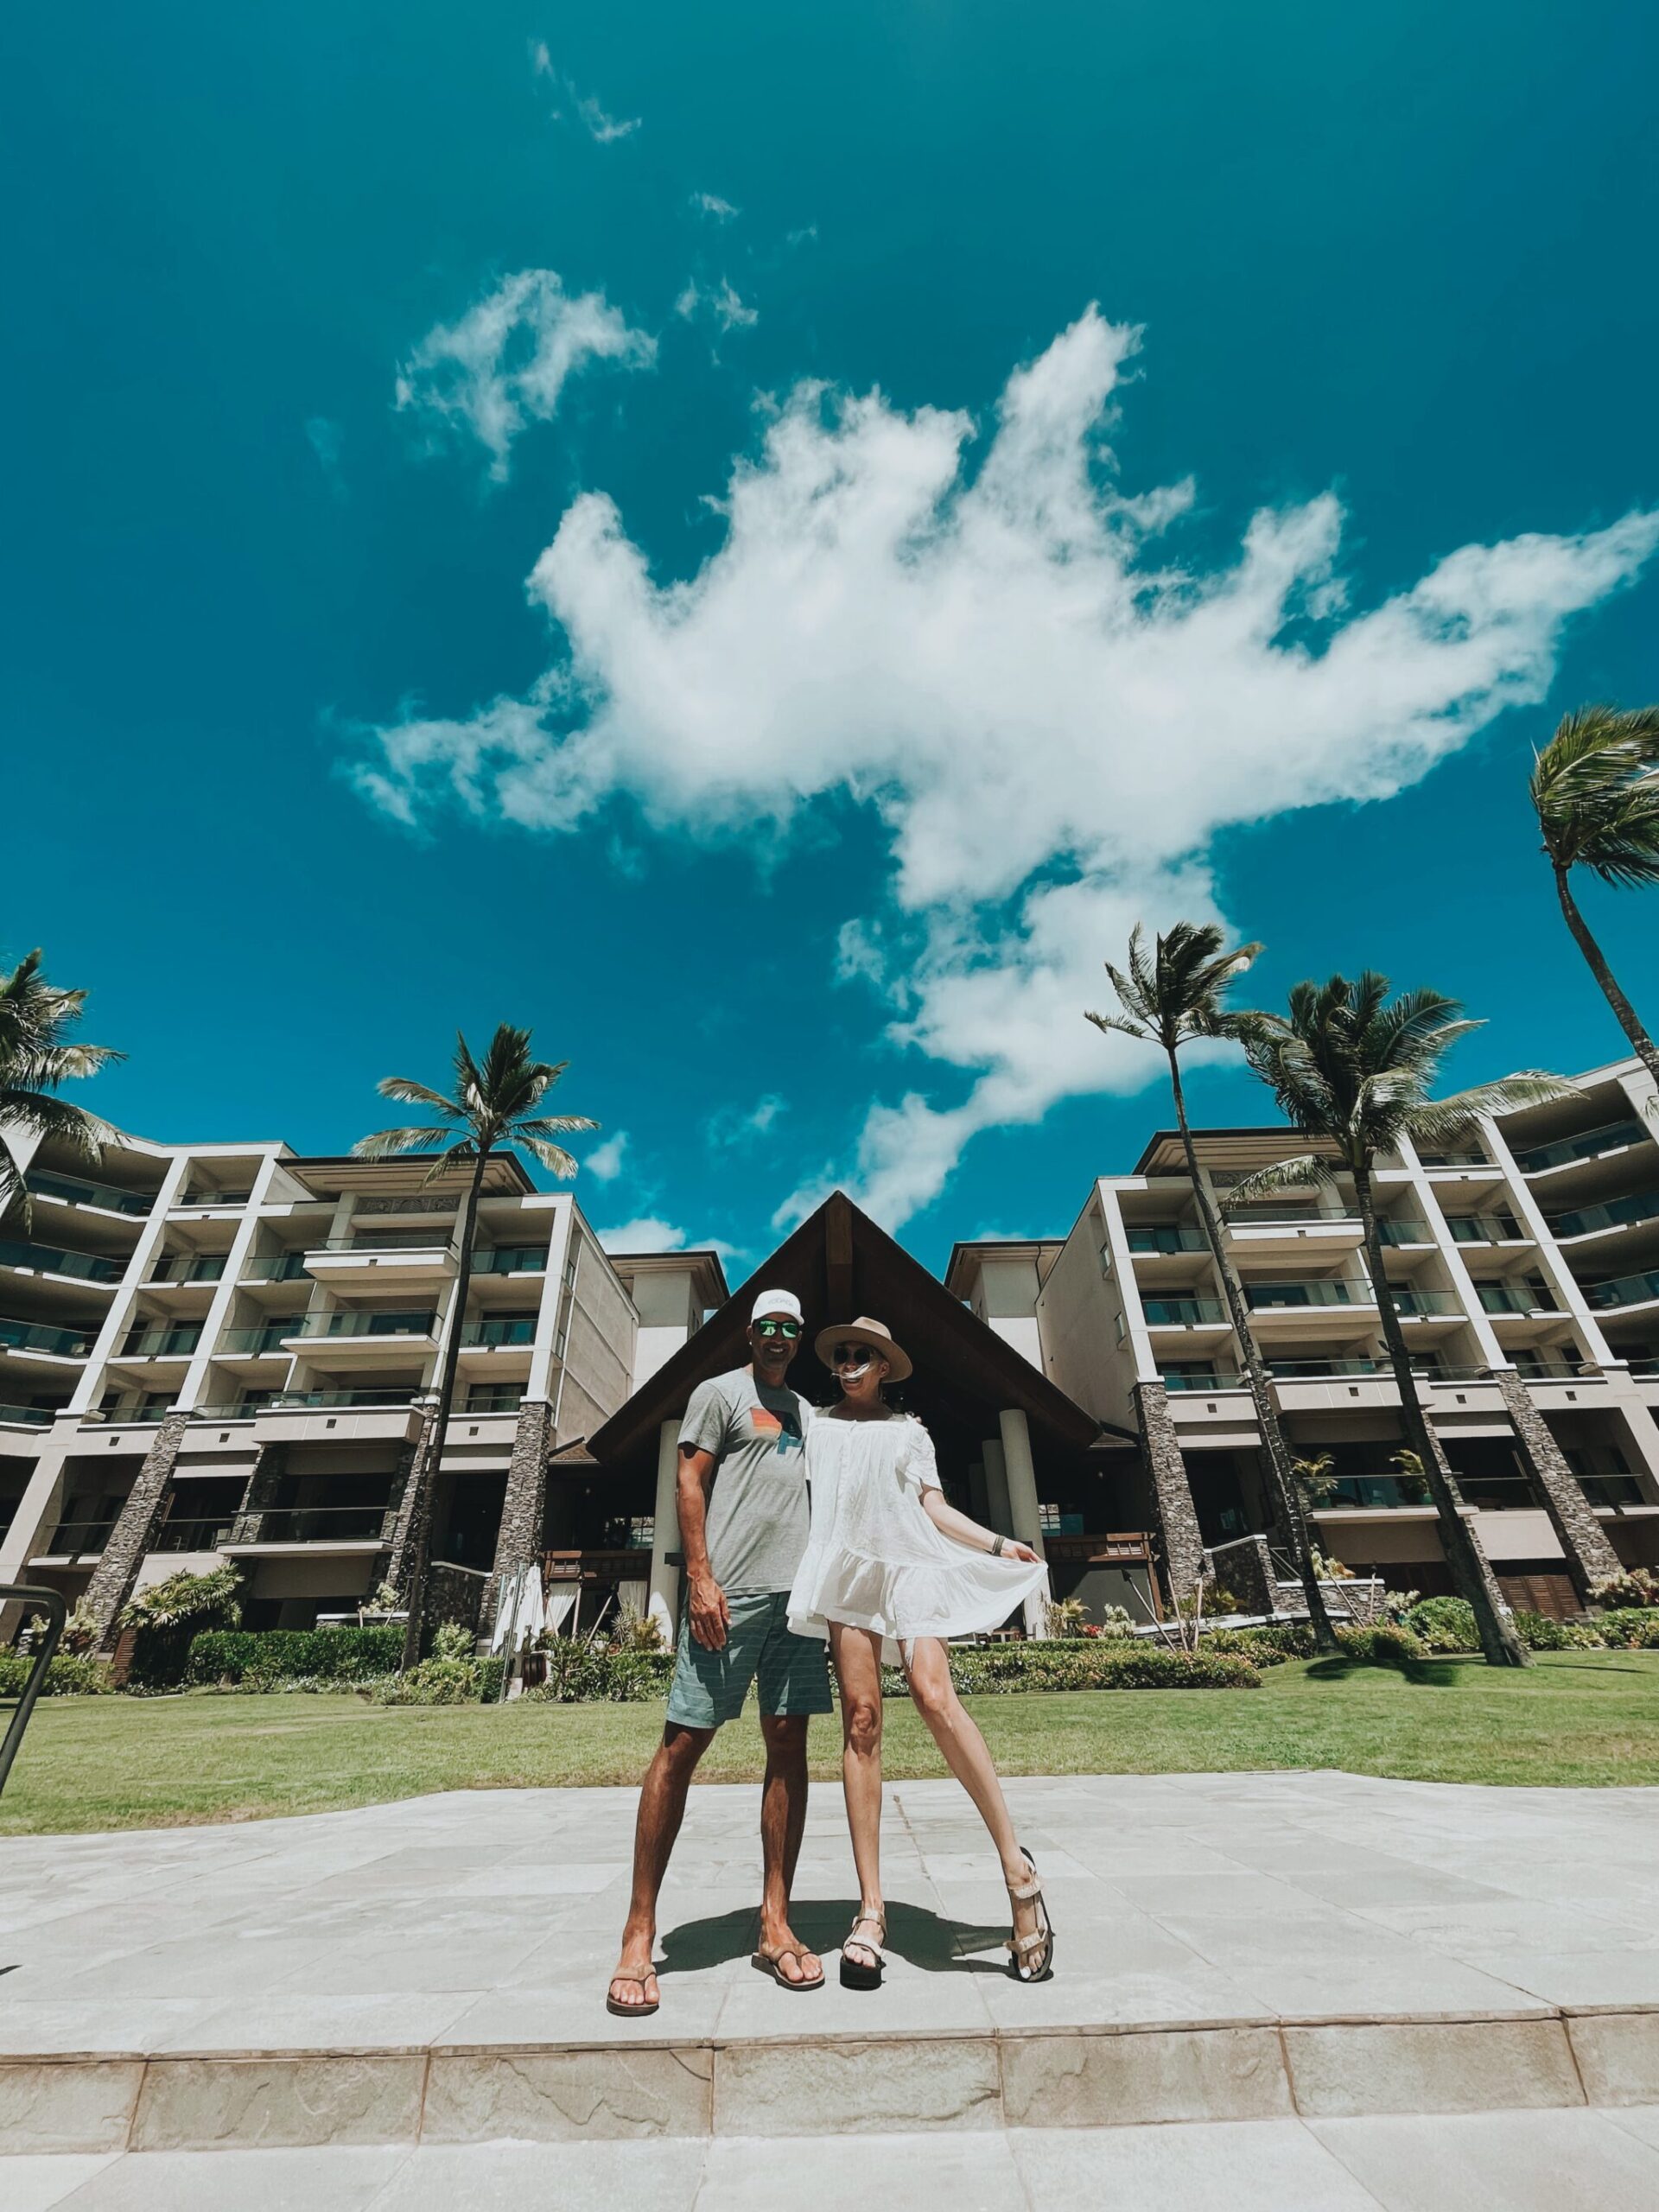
{"points": [[52, 1602]]}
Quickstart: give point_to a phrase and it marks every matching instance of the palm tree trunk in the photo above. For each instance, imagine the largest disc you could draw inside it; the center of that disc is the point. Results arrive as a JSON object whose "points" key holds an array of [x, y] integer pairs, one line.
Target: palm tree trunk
{"points": [[424, 1472], [1471, 1569], [1646, 1050], [1287, 1503]]}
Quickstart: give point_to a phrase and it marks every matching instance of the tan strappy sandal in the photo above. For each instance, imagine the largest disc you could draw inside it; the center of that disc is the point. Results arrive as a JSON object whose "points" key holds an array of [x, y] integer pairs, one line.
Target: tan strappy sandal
{"points": [[1031, 1958], [854, 1974]]}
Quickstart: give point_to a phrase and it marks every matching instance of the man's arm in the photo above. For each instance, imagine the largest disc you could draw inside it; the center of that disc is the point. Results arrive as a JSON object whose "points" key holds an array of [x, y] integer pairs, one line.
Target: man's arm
{"points": [[710, 1615]]}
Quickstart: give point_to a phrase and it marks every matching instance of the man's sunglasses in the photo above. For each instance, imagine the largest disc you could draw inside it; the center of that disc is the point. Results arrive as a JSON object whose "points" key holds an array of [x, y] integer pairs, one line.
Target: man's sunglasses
{"points": [[787, 1329]]}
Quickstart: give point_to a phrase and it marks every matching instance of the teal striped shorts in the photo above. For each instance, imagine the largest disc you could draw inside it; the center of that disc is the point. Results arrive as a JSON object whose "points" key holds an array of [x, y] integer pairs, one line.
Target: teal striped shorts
{"points": [[792, 1672]]}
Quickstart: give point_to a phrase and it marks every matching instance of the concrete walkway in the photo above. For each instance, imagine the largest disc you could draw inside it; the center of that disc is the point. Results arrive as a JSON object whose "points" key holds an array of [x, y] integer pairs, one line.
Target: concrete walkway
{"points": [[1322, 1960]]}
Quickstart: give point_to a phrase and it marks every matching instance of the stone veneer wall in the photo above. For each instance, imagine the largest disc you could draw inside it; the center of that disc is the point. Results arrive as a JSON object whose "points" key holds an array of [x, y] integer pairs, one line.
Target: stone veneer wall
{"points": [[523, 1505], [1177, 1517], [136, 1529], [1590, 1556]]}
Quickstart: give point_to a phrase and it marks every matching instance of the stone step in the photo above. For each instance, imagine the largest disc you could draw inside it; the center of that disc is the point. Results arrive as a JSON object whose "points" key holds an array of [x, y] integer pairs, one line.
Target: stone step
{"points": [[808, 2084]]}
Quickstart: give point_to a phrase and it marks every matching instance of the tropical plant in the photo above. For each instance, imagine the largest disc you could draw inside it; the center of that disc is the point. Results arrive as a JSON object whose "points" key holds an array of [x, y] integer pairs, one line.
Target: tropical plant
{"points": [[36, 1056], [1174, 999], [1354, 1072], [1316, 1478], [1595, 788], [497, 1103], [1064, 1619]]}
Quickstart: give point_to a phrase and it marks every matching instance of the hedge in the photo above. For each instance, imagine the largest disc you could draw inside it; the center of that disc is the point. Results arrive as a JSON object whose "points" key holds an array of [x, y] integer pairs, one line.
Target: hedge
{"points": [[71, 1674], [252, 1657], [993, 1670]]}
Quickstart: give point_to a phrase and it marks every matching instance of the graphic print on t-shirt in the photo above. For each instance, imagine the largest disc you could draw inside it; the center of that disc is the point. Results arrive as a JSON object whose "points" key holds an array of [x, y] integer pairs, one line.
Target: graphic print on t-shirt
{"points": [[768, 1423]]}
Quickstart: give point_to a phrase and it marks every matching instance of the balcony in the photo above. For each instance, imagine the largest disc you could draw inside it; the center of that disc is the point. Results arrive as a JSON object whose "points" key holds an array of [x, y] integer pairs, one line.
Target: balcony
{"points": [[1198, 1378], [1396, 1232], [519, 1329], [1611, 1136], [1464, 1157], [1620, 1291], [516, 1260], [204, 1535], [210, 1201], [174, 1342], [188, 1267], [1274, 1297], [333, 1328], [29, 1417], [1413, 1304], [54, 1343], [1486, 1229], [1268, 1232], [52, 1260], [1617, 1213], [259, 1343], [318, 1527], [431, 1204], [1164, 1241], [1183, 1313], [274, 1267], [76, 1191], [1516, 1298], [1371, 1494], [389, 1258], [292, 1400], [73, 1540], [1321, 1370]]}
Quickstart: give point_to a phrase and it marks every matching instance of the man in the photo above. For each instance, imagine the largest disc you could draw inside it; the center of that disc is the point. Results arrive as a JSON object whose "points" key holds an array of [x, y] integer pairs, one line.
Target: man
{"points": [[742, 1491]]}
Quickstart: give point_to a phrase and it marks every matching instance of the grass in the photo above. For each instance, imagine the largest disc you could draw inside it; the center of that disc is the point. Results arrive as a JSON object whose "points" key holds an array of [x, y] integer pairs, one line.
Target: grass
{"points": [[1589, 1718]]}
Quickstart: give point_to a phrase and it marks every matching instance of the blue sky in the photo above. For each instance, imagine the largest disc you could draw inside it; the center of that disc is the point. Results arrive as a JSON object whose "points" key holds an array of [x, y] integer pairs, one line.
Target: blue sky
{"points": [[839, 738]]}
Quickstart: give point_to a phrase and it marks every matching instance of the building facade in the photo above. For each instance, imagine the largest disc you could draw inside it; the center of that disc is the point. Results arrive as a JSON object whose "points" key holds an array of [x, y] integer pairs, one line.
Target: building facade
{"points": [[227, 1351]]}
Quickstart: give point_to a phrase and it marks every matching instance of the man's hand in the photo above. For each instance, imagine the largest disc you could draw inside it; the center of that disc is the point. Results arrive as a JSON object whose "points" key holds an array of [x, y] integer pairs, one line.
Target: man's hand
{"points": [[710, 1615]]}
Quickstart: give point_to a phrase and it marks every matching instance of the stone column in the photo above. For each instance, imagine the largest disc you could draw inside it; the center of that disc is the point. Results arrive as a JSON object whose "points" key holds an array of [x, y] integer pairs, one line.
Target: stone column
{"points": [[1023, 1509], [1177, 1517], [1584, 1543], [665, 1606], [519, 1536], [411, 1496], [135, 1531], [997, 1488], [269, 1463]]}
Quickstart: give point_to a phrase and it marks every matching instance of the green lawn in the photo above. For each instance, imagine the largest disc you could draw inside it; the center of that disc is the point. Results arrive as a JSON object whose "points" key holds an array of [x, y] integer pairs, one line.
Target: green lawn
{"points": [[1588, 1718]]}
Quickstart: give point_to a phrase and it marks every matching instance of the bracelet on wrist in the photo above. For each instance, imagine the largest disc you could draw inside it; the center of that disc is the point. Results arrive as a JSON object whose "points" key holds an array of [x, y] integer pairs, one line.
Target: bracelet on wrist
{"points": [[996, 1546]]}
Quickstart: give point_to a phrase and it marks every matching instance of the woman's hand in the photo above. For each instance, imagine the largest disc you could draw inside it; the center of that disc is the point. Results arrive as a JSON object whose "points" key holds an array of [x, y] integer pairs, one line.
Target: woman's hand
{"points": [[1014, 1549]]}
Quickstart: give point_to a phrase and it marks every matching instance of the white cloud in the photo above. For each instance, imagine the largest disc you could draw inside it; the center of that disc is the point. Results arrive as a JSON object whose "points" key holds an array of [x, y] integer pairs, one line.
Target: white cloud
{"points": [[605, 1161], [730, 1126], [508, 359], [326, 439], [711, 204], [602, 129], [648, 1233], [1051, 714], [718, 300]]}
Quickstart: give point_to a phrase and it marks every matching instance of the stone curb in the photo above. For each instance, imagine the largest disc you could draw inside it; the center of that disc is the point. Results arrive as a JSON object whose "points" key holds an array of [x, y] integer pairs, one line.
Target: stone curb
{"points": [[1112, 2076]]}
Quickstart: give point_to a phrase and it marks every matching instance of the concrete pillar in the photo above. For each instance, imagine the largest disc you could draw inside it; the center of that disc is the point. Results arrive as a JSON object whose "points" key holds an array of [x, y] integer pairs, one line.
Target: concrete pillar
{"points": [[525, 1501], [39, 1511], [978, 1496], [665, 1604], [1177, 1517], [135, 1531], [1584, 1544], [1021, 1473], [997, 1488]]}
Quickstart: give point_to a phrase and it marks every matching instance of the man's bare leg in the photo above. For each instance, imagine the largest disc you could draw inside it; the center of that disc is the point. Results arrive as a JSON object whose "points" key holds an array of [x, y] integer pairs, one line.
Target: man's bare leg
{"points": [[783, 1823], [662, 1807]]}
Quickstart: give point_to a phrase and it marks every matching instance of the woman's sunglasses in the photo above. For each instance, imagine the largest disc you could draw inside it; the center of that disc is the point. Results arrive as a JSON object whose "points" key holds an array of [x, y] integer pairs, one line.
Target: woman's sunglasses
{"points": [[851, 1355], [788, 1329]]}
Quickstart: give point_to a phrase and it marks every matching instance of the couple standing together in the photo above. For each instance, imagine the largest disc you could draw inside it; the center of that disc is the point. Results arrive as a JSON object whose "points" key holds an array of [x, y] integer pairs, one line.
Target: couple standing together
{"points": [[801, 1530]]}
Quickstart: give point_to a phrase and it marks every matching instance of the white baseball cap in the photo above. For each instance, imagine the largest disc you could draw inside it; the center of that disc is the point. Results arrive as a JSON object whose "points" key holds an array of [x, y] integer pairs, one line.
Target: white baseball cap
{"points": [[771, 1302]]}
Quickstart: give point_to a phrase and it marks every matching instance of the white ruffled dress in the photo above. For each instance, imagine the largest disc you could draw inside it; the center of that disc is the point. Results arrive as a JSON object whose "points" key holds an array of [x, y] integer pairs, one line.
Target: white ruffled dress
{"points": [[875, 1560]]}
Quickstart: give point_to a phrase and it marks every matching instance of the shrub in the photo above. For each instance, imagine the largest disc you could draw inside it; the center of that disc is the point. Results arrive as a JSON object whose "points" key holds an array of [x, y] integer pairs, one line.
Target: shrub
{"points": [[637, 1632], [993, 1670], [260, 1659], [441, 1681], [168, 1616], [1263, 1646], [1630, 1628], [1636, 1586], [578, 1673], [1539, 1633], [1116, 1621], [1444, 1623], [1064, 1619], [1386, 1646], [71, 1674]]}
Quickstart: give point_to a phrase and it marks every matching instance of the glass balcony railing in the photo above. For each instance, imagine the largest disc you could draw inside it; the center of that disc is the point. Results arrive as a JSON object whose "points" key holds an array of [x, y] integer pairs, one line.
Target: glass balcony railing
{"points": [[390, 1398], [188, 1267], [1288, 1217], [1404, 1232], [502, 1331], [1612, 1136], [76, 1191], [1182, 1312], [1485, 1229], [204, 1201], [32, 1336], [387, 1240], [1314, 1370], [52, 1260], [1412, 1304], [1612, 1490], [1516, 1298], [1371, 1493], [1617, 1213], [274, 1267], [1623, 1290], [1267, 1297], [161, 1344], [336, 1326], [203, 1535], [309, 1524], [76, 1539], [512, 1260], [29, 1417], [431, 1204], [1205, 1378], [267, 1337], [494, 1398], [1463, 1156], [1168, 1239]]}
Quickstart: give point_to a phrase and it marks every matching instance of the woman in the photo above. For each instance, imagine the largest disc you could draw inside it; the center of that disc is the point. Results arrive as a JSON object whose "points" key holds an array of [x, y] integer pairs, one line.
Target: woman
{"points": [[890, 1570]]}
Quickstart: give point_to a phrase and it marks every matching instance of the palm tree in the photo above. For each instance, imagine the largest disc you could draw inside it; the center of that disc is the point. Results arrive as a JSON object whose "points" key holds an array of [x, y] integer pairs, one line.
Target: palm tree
{"points": [[1170, 1001], [35, 1057], [1596, 788], [498, 1103], [1354, 1072]]}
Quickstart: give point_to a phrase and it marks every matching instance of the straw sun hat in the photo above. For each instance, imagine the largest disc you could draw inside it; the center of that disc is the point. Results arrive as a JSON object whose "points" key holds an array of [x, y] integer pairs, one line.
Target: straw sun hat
{"points": [[863, 1332]]}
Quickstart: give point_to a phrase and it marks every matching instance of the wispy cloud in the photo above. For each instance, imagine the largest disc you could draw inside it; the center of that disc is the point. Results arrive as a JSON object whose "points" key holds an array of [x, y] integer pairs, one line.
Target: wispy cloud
{"points": [[711, 204], [506, 363], [602, 129], [718, 300], [732, 1126], [605, 1161], [326, 439], [1050, 711]]}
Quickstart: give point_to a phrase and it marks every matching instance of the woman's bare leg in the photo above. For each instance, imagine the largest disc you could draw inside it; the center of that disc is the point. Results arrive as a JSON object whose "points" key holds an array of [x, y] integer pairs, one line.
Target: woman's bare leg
{"points": [[857, 1654], [955, 1730]]}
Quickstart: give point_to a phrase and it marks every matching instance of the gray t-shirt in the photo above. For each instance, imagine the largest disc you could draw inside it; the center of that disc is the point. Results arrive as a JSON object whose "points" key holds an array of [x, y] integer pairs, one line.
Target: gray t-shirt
{"points": [[758, 1509]]}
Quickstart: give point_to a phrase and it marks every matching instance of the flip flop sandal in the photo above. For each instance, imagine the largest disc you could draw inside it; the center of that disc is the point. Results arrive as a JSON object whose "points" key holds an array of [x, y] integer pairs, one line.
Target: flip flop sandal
{"points": [[633, 2011], [771, 1962], [854, 1974]]}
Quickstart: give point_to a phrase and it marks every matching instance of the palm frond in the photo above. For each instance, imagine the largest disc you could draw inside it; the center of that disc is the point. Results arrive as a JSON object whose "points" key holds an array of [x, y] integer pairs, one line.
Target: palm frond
{"points": [[546, 1126], [1306, 1170], [1123, 1025], [408, 1093], [385, 1144], [1598, 761], [557, 1160], [1439, 1122]]}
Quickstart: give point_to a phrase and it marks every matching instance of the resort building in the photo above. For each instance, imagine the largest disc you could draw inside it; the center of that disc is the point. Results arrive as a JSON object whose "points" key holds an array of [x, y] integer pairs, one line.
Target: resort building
{"points": [[228, 1352]]}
